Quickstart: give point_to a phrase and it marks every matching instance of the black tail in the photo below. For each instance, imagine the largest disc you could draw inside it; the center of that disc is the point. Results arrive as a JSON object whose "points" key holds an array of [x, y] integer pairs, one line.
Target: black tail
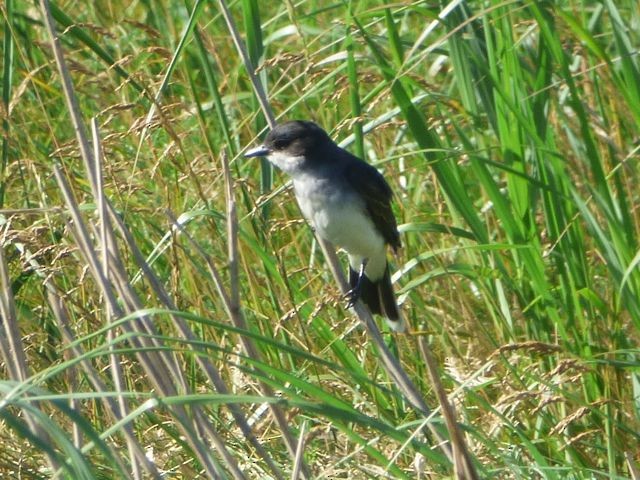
{"points": [[378, 296]]}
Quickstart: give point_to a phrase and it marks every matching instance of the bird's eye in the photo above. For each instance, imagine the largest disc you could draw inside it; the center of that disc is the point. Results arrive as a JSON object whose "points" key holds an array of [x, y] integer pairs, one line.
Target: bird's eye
{"points": [[280, 143]]}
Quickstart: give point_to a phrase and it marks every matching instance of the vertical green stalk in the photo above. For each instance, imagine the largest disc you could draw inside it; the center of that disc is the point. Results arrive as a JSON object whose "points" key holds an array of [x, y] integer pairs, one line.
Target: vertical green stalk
{"points": [[395, 44], [7, 75], [255, 47], [354, 95], [609, 426], [214, 91]]}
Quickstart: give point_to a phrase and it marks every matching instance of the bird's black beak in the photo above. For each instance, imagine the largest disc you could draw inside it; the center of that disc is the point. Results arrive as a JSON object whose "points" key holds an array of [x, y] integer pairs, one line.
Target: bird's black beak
{"points": [[260, 151]]}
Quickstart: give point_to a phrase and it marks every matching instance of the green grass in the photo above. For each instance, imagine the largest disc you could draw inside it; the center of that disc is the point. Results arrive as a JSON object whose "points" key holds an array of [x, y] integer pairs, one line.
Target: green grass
{"points": [[509, 134]]}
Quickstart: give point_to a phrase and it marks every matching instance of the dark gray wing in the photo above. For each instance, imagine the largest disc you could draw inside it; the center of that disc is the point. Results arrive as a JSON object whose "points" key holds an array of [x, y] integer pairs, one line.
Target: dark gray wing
{"points": [[377, 194]]}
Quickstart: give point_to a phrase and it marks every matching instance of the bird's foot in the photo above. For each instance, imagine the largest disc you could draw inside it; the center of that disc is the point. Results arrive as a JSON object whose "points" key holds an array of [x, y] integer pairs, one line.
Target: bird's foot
{"points": [[352, 296]]}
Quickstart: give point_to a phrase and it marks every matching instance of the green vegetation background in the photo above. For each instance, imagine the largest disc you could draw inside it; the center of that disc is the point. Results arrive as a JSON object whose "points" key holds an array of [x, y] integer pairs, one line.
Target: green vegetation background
{"points": [[509, 132]]}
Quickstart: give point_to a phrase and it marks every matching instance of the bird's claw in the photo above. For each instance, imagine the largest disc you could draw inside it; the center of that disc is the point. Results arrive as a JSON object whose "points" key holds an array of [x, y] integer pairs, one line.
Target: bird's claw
{"points": [[352, 297]]}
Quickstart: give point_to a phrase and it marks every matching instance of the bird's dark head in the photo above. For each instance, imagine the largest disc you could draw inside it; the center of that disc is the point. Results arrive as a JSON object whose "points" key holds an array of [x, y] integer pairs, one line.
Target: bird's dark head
{"points": [[292, 144]]}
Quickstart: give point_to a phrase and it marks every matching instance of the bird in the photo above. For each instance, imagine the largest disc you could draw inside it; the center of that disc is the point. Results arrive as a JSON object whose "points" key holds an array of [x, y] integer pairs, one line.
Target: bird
{"points": [[347, 202]]}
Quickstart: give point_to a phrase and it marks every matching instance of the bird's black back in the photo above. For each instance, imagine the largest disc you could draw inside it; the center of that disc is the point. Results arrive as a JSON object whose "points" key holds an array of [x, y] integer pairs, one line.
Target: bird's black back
{"points": [[377, 195]]}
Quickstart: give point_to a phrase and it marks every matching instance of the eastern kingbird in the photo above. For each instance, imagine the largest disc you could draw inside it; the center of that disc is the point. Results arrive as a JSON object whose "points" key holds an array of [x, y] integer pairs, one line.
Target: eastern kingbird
{"points": [[347, 202]]}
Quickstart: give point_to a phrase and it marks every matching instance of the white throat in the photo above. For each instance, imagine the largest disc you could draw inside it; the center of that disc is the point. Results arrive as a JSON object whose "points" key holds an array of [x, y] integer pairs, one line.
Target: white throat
{"points": [[287, 163]]}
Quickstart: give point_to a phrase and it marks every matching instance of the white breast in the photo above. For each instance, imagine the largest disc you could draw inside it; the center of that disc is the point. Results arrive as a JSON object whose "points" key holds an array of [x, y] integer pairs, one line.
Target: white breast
{"points": [[339, 218]]}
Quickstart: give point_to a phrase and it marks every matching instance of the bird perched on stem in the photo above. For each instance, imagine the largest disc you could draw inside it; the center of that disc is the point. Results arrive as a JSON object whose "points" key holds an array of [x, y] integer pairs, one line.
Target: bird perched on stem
{"points": [[347, 202]]}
